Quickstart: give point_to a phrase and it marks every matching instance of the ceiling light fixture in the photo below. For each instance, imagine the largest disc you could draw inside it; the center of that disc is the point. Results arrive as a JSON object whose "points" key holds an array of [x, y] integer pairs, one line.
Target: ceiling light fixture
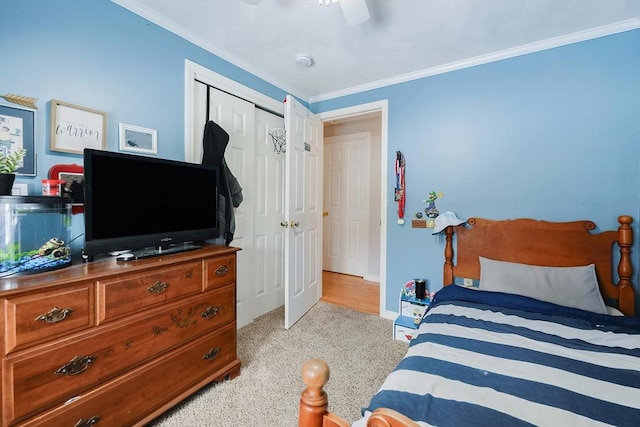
{"points": [[304, 60], [326, 2]]}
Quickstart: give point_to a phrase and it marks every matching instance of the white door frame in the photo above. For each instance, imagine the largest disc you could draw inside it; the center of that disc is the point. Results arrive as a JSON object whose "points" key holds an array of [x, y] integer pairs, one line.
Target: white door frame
{"points": [[356, 110]]}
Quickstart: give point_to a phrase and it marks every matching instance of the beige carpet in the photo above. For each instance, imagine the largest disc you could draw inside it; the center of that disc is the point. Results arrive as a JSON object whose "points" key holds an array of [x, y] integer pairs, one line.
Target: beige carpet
{"points": [[359, 349]]}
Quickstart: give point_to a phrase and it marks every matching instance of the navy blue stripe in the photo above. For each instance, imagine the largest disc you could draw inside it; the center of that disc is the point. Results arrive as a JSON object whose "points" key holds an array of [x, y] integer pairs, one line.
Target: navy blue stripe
{"points": [[443, 412], [573, 322], [623, 377], [536, 307], [528, 390], [528, 333]]}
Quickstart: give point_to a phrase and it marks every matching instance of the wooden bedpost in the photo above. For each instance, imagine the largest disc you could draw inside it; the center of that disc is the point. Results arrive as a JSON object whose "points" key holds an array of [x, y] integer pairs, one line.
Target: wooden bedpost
{"points": [[626, 295], [448, 257], [313, 401]]}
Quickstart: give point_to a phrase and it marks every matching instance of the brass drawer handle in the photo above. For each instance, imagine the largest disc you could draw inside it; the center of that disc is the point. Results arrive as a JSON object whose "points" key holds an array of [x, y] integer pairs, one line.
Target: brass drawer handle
{"points": [[54, 315], [210, 312], [76, 366], [211, 354], [88, 422], [222, 270], [158, 288]]}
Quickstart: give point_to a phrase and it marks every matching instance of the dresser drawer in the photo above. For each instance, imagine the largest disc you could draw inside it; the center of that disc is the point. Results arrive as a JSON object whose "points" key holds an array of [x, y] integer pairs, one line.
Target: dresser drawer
{"points": [[56, 374], [220, 270], [40, 317], [131, 399], [131, 293]]}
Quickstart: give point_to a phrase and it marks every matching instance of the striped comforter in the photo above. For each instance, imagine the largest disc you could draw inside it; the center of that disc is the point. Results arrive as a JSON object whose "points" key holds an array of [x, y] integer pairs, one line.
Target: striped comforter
{"points": [[492, 359]]}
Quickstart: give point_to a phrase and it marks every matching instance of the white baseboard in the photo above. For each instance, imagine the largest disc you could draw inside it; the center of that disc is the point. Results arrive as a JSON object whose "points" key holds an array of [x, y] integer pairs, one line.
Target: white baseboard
{"points": [[372, 278], [391, 315]]}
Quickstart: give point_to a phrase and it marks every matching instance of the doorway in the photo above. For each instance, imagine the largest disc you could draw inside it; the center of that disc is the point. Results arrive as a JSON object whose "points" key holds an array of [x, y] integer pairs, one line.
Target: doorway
{"points": [[351, 292], [352, 224], [346, 208], [195, 72]]}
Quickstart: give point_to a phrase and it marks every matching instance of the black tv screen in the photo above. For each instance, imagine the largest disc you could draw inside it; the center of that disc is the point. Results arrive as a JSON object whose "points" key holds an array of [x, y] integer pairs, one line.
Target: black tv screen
{"points": [[134, 202]]}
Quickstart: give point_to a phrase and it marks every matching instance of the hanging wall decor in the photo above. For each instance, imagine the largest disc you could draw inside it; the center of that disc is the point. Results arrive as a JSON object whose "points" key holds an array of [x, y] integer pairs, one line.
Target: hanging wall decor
{"points": [[17, 131], [138, 139], [26, 101], [400, 194], [74, 128]]}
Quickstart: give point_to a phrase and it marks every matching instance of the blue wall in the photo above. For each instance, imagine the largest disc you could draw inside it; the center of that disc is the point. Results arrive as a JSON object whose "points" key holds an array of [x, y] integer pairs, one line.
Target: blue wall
{"points": [[99, 55], [553, 135]]}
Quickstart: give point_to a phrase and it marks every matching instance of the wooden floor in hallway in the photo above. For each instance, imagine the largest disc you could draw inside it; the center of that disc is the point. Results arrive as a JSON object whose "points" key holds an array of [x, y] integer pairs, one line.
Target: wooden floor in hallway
{"points": [[351, 291]]}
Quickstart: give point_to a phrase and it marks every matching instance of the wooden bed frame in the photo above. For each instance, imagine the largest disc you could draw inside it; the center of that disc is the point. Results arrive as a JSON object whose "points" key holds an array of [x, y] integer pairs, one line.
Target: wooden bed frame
{"points": [[523, 241]]}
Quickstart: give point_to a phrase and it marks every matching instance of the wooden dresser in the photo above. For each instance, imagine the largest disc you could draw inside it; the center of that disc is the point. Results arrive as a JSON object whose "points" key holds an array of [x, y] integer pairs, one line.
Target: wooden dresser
{"points": [[114, 344]]}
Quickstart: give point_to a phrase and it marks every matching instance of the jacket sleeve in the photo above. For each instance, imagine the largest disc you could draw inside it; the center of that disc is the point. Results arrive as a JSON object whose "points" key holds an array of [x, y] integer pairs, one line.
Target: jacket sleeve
{"points": [[234, 188]]}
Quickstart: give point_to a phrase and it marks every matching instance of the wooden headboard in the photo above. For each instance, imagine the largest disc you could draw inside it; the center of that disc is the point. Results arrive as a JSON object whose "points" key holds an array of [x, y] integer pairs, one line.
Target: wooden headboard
{"points": [[555, 244]]}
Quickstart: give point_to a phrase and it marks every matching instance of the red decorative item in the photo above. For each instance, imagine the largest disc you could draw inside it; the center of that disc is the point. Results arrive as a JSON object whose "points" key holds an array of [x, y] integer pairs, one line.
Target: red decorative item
{"points": [[400, 192], [73, 176]]}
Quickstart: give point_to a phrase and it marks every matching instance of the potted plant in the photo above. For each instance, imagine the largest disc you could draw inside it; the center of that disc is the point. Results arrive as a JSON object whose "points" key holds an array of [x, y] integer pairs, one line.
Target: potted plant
{"points": [[9, 163]]}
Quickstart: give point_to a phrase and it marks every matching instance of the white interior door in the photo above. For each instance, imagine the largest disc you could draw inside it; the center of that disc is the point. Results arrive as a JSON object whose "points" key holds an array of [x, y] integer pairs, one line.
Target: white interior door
{"points": [[346, 202], [303, 211], [237, 117], [268, 285]]}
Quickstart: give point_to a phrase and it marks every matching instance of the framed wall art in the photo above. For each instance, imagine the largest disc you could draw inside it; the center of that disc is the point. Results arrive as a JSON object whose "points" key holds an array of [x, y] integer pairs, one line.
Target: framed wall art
{"points": [[74, 128], [138, 139], [17, 130], [73, 187], [20, 189]]}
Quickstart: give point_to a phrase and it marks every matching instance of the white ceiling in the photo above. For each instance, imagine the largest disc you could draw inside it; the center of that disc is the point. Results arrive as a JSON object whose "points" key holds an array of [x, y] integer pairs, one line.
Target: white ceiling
{"points": [[403, 39]]}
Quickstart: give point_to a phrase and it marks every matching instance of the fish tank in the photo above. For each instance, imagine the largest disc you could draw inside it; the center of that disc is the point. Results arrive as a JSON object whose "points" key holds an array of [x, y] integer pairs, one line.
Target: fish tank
{"points": [[35, 233]]}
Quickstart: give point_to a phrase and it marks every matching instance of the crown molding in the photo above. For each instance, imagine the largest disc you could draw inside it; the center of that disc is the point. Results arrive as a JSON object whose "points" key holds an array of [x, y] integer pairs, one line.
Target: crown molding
{"points": [[576, 37], [579, 36], [191, 37]]}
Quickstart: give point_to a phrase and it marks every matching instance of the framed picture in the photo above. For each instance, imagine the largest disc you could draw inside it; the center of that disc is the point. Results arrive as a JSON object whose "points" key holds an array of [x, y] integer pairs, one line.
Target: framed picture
{"points": [[73, 187], [20, 189], [138, 139], [17, 130], [75, 128]]}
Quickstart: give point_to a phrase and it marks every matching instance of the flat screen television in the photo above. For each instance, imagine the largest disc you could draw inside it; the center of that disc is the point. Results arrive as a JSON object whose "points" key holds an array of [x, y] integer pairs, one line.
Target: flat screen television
{"points": [[147, 205]]}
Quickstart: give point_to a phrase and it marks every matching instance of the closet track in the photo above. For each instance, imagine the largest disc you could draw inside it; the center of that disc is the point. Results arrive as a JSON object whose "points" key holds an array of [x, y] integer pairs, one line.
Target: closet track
{"points": [[259, 107]]}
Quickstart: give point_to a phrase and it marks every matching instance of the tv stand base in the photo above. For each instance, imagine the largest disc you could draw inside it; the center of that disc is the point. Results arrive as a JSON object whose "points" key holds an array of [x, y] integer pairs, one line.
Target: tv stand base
{"points": [[152, 252]]}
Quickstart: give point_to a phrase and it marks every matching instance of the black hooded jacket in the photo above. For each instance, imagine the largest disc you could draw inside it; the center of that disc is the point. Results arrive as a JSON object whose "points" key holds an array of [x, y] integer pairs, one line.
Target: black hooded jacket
{"points": [[214, 143]]}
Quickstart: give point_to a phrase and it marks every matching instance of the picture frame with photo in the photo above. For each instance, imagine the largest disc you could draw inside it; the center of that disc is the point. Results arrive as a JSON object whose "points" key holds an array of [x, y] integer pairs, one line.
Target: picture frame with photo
{"points": [[137, 139], [73, 187], [17, 130]]}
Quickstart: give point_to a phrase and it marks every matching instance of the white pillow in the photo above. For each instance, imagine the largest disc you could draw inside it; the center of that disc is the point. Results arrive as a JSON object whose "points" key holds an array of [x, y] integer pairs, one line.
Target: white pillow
{"points": [[612, 311], [575, 287]]}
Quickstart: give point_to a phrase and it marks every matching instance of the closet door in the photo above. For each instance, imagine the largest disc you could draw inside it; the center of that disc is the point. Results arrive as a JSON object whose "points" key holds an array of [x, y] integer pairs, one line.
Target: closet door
{"points": [[237, 117], [268, 290], [260, 172], [303, 210]]}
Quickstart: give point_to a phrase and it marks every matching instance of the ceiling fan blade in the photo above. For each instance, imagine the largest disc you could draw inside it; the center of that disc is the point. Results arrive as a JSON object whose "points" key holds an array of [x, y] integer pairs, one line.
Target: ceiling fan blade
{"points": [[355, 11]]}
